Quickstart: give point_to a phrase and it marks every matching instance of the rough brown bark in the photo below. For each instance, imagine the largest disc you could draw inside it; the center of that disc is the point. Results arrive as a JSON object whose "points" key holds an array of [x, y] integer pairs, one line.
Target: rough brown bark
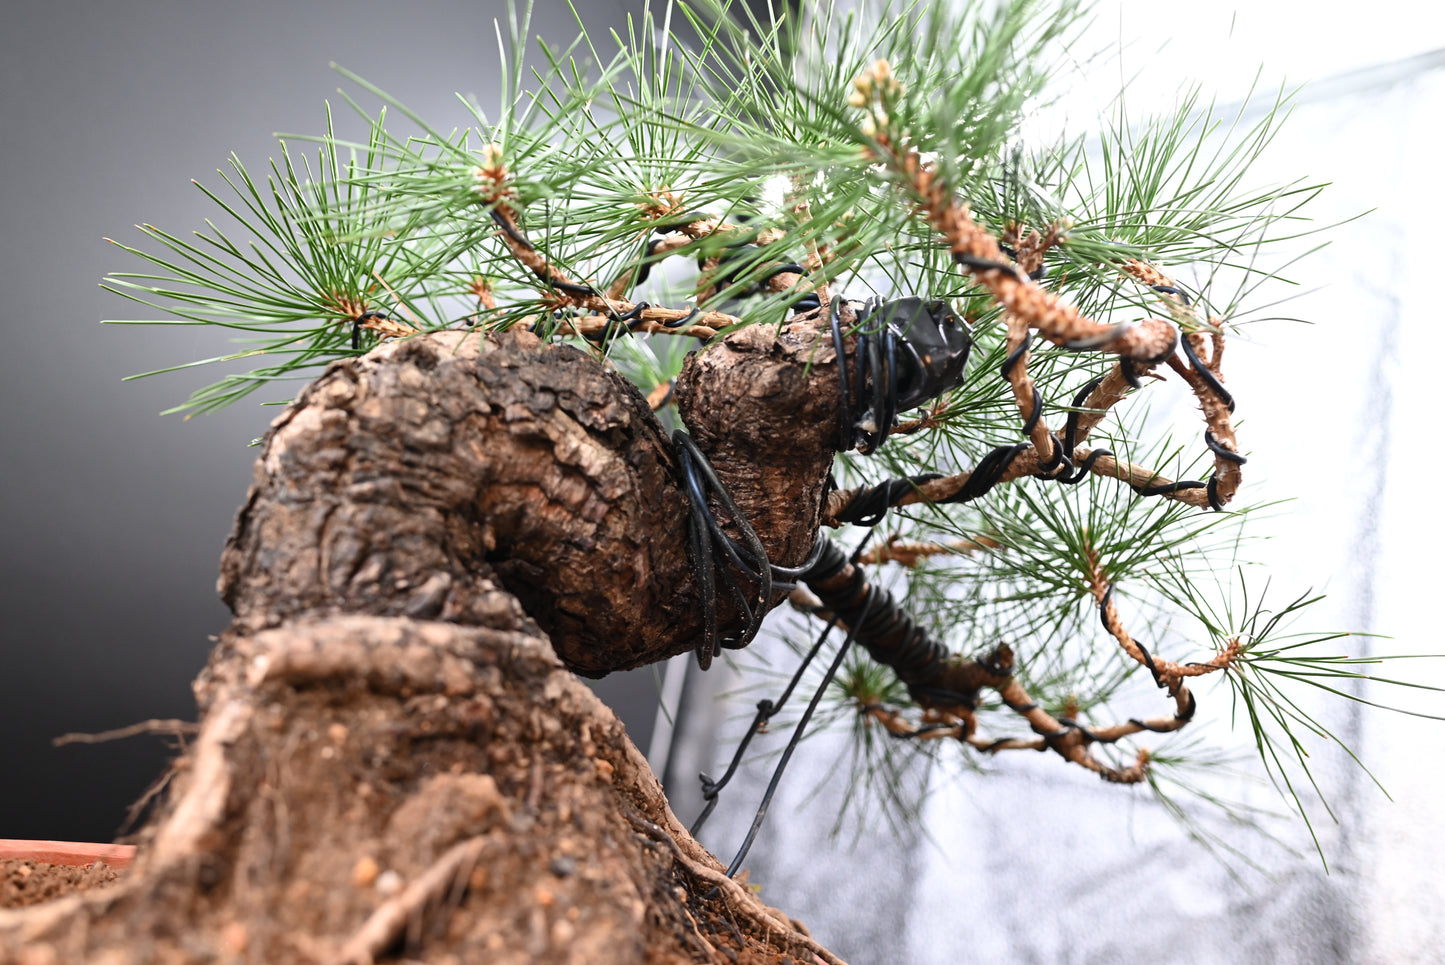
{"points": [[763, 405], [393, 762], [397, 481]]}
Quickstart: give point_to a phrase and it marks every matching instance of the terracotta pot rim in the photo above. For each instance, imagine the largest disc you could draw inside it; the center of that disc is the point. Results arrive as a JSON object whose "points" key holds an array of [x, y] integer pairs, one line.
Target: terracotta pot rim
{"points": [[67, 852]]}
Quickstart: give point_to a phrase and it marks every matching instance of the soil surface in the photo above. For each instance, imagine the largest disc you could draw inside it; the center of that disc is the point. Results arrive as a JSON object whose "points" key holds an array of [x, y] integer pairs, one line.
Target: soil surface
{"points": [[31, 882]]}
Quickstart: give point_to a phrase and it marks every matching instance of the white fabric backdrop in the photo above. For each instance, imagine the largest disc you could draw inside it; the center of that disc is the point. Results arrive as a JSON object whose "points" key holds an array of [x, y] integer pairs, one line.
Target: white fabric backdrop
{"points": [[1043, 863]]}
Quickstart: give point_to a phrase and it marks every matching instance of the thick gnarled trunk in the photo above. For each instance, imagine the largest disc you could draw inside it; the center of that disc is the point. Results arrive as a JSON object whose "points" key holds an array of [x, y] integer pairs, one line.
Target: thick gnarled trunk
{"points": [[394, 759], [397, 483]]}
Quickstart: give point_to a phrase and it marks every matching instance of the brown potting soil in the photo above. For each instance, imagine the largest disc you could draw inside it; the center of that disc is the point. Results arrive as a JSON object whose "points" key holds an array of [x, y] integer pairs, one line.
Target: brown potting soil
{"points": [[31, 882]]}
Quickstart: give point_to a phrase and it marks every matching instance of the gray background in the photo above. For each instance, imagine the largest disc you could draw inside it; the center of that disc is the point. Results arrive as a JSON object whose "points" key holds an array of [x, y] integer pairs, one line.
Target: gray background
{"points": [[112, 519]]}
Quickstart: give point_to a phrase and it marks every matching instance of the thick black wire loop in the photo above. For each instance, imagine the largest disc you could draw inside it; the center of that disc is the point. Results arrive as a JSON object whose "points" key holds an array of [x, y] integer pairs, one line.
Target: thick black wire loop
{"points": [[871, 505], [877, 364], [705, 536], [987, 474], [759, 578], [1085, 468], [1228, 455]]}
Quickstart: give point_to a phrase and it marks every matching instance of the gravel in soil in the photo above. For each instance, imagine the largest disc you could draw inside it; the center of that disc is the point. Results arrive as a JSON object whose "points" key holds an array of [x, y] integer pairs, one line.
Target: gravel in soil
{"points": [[32, 882]]}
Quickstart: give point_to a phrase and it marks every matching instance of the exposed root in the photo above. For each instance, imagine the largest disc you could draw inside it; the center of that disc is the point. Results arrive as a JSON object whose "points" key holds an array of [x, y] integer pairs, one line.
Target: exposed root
{"points": [[364, 787], [388, 922]]}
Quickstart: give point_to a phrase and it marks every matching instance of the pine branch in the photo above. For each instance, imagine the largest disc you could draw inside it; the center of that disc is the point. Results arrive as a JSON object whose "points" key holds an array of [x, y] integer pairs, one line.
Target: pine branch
{"points": [[715, 173]]}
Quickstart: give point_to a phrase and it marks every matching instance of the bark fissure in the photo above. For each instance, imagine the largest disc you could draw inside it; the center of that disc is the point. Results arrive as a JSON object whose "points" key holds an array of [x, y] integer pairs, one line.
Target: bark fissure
{"points": [[394, 757]]}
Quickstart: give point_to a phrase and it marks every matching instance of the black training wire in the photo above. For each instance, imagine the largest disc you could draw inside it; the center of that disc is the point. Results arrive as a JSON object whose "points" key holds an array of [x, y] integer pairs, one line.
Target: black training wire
{"points": [[1206, 375], [1038, 274], [765, 712], [511, 231], [1071, 427], [983, 264], [760, 578], [797, 736], [879, 358], [1188, 713], [704, 535], [1059, 461], [869, 506], [1228, 455], [1069, 476], [685, 320], [826, 560], [915, 656], [356, 324], [876, 365], [847, 432], [987, 474], [1163, 489], [1085, 467], [1172, 290]]}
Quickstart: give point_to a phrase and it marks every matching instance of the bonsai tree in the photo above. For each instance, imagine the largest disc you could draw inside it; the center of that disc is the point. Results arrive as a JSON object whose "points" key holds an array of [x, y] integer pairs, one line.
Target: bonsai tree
{"points": [[873, 302]]}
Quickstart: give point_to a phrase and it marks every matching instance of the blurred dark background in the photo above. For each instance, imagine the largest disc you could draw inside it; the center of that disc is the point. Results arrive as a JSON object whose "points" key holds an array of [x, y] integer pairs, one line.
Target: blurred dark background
{"points": [[113, 518]]}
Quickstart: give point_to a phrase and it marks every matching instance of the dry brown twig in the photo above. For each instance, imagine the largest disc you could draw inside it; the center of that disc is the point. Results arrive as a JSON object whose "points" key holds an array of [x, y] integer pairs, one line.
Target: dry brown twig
{"points": [[911, 553]]}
